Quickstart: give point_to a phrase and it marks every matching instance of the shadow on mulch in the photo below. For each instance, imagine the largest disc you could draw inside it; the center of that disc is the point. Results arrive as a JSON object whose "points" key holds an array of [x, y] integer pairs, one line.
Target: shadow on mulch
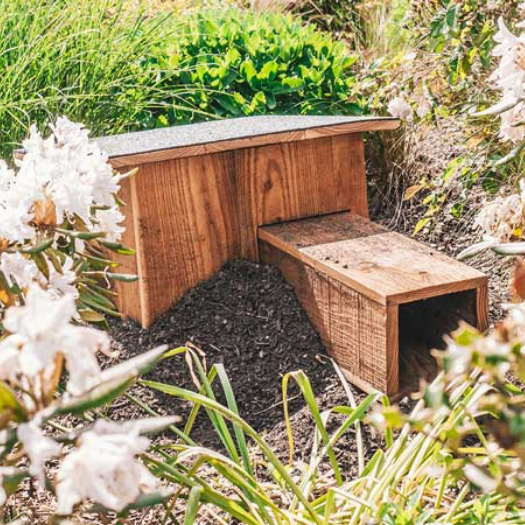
{"points": [[248, 318]]}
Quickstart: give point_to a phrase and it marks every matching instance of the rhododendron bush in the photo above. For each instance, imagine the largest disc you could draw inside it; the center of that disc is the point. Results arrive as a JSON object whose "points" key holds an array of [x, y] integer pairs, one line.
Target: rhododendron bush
{"points": [[59, 215], [98, 464], [502, 221]]}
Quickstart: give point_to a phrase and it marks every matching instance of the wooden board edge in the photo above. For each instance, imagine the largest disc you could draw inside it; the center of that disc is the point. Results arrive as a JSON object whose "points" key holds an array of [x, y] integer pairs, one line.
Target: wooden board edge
{"points": [[392, 349], [429, 292], [254, 141], [482, 306], [144, 320]]}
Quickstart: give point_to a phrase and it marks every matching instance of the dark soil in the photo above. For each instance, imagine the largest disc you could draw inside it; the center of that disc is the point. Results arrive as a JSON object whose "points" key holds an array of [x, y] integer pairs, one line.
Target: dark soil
{"points": [[248, 318]]}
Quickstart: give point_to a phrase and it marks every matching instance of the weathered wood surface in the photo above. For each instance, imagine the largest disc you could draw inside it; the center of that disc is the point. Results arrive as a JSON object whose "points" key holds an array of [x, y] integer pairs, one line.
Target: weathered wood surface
{"points": [[204, 138], [187, 216], [282, 182], [359, 297], [355, 330], [385, 266]]}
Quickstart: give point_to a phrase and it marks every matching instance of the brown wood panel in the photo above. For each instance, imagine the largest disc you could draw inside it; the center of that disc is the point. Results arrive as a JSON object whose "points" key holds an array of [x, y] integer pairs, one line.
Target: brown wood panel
{"points": [[288, 181], [392, 346], [128, 300], [186, 226], [348, 153], [482, 307], [386, 267]]}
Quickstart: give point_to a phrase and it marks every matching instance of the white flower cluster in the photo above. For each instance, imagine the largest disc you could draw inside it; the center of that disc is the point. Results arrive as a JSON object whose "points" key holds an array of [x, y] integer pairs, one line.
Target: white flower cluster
{"points": [[102, 466], [504, 218], [41, 330], [509, 78], [400, 108], [59, 177], [21, 271]]}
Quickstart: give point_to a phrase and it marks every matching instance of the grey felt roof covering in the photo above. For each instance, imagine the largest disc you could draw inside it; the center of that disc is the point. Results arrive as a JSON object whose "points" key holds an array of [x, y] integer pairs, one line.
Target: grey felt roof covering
{"points": [[217, 131]]}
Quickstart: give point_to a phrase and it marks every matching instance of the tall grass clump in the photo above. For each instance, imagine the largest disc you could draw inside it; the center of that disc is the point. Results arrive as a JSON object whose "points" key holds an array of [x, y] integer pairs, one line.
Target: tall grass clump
{"points": [[88, 60], [415, 479]]}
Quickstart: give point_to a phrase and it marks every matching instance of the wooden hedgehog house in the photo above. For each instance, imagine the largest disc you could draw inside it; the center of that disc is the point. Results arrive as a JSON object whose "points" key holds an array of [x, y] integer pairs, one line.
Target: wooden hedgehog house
{"points": [[290, 191]]}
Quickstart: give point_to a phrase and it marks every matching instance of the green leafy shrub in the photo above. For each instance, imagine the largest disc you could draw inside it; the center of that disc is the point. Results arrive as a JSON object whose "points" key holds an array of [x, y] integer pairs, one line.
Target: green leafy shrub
{"points": [[117, 69], [233, 63]]}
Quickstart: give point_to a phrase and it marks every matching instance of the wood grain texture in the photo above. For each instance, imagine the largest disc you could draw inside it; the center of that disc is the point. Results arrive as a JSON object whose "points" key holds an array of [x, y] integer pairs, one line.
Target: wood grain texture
{"points": [[186, 227], [301, 179], [386, 267], [128, 300], [392, 350], [367, 333], [482, 307]]}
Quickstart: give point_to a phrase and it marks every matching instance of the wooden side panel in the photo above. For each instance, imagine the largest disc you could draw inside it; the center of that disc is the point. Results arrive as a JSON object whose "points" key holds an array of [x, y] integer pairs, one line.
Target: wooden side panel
{"points": [[128, 301], [288, 181], [352, 327], [348, 153], [186, 226], [482, 307]]}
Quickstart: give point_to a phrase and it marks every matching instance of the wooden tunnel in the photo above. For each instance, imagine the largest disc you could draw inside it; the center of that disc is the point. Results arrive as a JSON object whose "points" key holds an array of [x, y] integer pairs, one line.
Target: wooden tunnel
{"points": [[291, 191]]}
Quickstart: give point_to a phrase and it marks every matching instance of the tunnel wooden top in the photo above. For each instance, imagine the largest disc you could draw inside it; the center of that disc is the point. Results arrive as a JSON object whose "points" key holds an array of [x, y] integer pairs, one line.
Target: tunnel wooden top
{"points": [[224, 135]]}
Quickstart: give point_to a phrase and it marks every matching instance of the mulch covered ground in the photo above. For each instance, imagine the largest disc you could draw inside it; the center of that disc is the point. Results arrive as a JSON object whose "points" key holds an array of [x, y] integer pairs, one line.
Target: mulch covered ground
{"points": [[248, 318]]}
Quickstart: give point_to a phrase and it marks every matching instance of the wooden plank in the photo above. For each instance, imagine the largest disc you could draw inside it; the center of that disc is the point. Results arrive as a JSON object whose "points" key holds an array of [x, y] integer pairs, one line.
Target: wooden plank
{"points": [[128, 300], [351, 167], [392, 349], [288, 181], [186, 226], [386, 267], [164, 144], [314, 231], [482, 306]]}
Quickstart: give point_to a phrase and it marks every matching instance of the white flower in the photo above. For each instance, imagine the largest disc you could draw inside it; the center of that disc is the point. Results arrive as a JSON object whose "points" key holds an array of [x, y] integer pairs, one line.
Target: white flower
{"points": [[81, 363], [38, 447], [10, 357], [504, 216], [61, 283], [41, 330], [109, 221], [104, 469], [40, 324], [399, 108], [68, 169], [17, 269], [480, 478], [509, 77], [69, 134]]}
